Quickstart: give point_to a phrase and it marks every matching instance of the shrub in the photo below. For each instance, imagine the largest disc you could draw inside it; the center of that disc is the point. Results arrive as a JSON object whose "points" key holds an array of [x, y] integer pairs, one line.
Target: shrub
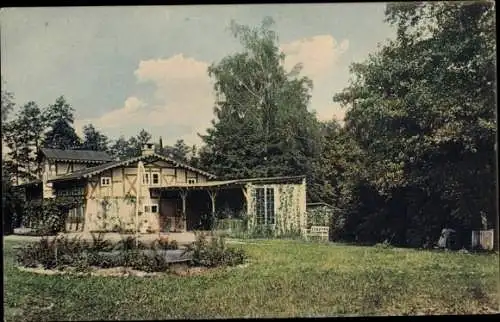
{"points": [[129, 243], [291, 234], [163, 243], [99, 243], [149, 263], [40, 253], [262, 231], [48, 216], [214, 253]]}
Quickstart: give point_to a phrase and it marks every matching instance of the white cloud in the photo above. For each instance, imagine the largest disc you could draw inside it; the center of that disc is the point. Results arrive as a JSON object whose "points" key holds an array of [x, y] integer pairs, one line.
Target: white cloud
{"points": [[184, 94], [183, 98], [319, 56]]}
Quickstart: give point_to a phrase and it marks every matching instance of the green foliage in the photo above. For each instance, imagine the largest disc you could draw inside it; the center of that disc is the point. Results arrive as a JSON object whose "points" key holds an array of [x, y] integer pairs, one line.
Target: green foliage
{"points": [[59, 117], [99, 243], [23, 136], [262, 126], [52, 252], [163, 243], [214, 252], [93, 139], [63, 252], [12, 203], [297, 280], [7, 105], [262, 231], [320, 216], [422, 109], [124, 149], [129, 243], [48, 216]]}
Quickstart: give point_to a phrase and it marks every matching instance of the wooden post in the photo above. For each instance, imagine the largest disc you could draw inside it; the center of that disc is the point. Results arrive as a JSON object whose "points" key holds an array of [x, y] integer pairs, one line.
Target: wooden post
{"points": [[212, 194], [246, 194], [183, 194]]}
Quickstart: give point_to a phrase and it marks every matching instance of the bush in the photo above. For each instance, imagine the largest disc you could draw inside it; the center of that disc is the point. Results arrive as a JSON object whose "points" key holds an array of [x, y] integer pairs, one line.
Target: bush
{"points": [[41, 253], [48, 216], [291, 234], [52, 253], [63, 252], [163, 243], [262, 231], [214, 253], [129, 243]]}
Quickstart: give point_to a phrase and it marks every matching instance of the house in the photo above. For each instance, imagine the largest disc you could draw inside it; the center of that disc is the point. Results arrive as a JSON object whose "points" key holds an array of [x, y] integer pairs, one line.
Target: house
{"points": [[154, 193]]}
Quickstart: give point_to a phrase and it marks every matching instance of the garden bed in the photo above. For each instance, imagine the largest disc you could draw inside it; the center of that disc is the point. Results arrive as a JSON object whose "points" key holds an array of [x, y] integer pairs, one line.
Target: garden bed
{"points": [[127, 257]]}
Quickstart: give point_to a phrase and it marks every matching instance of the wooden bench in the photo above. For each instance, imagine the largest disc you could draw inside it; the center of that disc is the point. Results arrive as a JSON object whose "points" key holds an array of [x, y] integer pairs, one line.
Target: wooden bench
{"points": [[317, 231]]}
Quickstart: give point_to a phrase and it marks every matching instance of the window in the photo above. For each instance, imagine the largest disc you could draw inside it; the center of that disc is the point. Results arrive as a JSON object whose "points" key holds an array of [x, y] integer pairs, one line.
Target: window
{"points": [[151, 209], [105, 181], [192, 180], [264, 206], [145, 179], [155, 176]]}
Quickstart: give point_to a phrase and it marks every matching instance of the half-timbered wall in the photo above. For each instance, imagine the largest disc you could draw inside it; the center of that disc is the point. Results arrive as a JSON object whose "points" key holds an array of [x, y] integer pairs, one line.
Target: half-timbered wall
{"points": [[108, 207], [52, 169]]}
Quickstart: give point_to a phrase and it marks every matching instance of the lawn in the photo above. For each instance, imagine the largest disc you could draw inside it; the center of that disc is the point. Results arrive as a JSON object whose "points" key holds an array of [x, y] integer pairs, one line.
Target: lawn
{"points": [[283, 279]]}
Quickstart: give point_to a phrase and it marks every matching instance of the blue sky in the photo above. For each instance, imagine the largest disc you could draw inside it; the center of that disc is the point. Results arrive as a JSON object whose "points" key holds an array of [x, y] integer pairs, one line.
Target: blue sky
{"points": [[128, 68]]}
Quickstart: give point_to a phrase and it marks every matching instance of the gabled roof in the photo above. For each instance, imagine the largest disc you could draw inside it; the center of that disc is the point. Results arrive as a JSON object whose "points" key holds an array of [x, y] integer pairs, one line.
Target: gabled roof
{"points": [[89, 172], [87, 156]]}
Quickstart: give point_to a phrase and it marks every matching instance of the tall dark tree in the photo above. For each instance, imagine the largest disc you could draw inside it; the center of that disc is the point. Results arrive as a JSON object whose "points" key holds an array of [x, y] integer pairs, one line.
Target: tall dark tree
{"points": [[59, 117], [93, 139], [181, 151], [120, 149], [262, 126], [23, 136], [7, 104], [31, 127], [423, 110], [123, 149]]}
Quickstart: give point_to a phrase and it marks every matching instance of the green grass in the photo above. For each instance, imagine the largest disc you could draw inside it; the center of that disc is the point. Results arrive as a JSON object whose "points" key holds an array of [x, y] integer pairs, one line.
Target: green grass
{"points": [[284, 278]]}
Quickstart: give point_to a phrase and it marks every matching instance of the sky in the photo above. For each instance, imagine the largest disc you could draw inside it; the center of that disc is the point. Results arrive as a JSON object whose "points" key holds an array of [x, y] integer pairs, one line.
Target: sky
{"points": [[128, 68]]}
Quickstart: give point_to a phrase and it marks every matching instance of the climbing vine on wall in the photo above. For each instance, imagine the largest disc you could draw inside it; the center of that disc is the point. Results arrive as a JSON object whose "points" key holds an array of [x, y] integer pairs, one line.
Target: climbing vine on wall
{"points": [[49, 216]]}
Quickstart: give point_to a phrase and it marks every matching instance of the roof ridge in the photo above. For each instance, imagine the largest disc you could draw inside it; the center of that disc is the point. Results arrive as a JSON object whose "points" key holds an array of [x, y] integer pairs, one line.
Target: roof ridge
{"points": [[89, 172]]}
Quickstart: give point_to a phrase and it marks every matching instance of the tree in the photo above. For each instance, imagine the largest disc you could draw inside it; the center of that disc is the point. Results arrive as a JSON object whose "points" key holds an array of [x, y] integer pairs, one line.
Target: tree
{"points": [[93, 139], [7, 104], [194, 158], [59, 118], [23, 136], [30, 126], [181, 151], [423, 110], [262, 126], [137, 143], [120, 149], [123, 149]]}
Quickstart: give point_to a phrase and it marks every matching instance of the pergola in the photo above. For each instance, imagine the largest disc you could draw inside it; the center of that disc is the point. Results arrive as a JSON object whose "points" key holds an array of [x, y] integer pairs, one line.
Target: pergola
{"points": [[212, 187]]}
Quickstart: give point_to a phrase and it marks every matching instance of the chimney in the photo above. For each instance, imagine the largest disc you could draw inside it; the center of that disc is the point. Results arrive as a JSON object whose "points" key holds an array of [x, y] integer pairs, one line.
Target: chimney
{"points": [[148, 149]]}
